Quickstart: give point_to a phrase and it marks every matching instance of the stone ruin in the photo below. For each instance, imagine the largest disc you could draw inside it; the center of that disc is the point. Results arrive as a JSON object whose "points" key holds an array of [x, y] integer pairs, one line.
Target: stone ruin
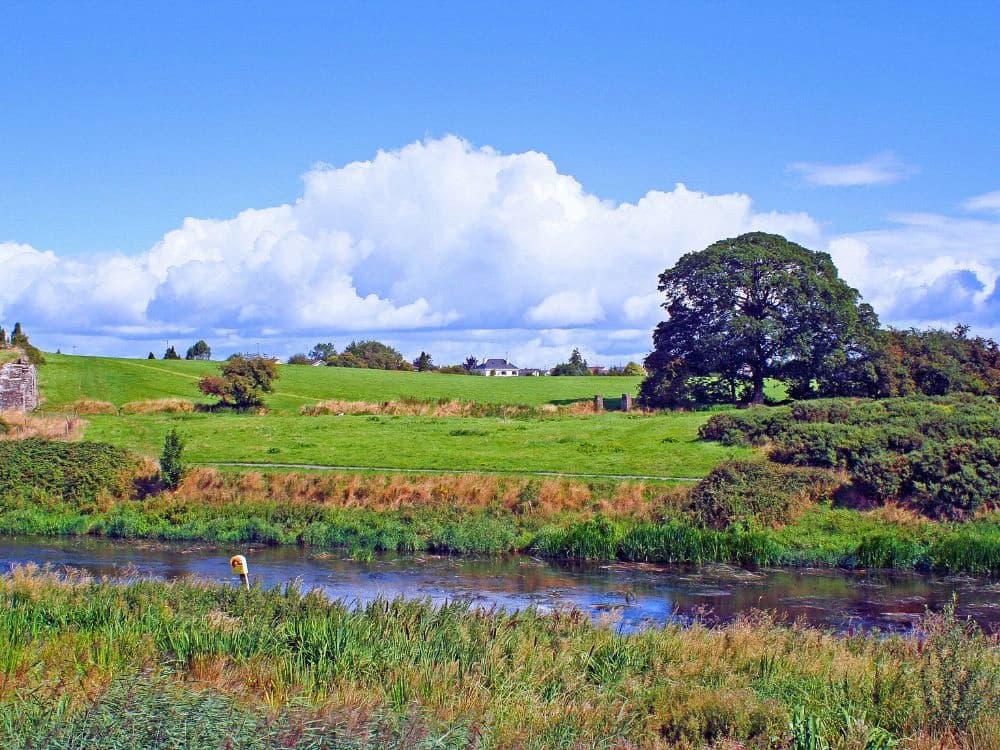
{"points": [[18, 386]]}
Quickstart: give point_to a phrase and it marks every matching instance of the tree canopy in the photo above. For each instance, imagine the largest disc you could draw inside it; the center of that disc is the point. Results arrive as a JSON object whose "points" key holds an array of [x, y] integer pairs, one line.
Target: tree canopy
{"points": [[371, 354], [756, 307], [171, 353], [423, 363], [324, 351], [242, 383], [577, 365], [199, 350]]}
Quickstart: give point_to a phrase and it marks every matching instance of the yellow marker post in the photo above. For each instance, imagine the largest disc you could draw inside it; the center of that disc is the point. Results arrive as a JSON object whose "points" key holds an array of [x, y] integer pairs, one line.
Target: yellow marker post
{"points": [[239, 565]]}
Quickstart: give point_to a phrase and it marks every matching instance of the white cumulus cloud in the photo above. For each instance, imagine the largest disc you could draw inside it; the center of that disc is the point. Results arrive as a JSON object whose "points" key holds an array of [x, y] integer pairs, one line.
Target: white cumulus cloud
{"points": [[439, 239]]}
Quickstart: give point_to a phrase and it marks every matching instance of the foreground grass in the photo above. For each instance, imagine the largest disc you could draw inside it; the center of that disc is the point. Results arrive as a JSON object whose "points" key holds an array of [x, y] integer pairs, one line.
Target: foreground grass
{"points": [[154, 665]]}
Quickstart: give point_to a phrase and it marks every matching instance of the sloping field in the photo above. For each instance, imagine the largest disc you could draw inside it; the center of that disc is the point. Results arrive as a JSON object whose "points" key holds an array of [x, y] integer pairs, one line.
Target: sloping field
{"points": [[610, 444], [66, 378]]}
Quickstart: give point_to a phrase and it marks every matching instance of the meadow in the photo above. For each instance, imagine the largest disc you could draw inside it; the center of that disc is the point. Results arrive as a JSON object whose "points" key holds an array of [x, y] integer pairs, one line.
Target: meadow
{"points": [[65, 379], [93, 664], [612, 443]]}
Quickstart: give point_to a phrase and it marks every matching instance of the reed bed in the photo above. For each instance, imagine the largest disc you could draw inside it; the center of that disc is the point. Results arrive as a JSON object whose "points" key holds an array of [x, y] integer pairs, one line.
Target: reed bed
{"points": [[16, 425], [324, 672], [444, 408], [91, 406]]}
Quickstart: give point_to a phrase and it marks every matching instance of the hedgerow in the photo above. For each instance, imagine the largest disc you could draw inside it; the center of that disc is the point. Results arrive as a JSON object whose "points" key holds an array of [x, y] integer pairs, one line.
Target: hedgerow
{"points": [[941, 455]]}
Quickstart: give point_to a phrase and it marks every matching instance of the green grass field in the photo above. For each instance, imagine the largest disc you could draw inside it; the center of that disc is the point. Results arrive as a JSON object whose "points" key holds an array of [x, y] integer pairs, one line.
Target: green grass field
{"points": [[614, 443], [65, 379]]}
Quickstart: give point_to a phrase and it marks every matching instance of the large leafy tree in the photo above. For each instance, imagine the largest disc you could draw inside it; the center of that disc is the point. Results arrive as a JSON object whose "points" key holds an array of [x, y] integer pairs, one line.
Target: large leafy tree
{"points": [[756, 307]]}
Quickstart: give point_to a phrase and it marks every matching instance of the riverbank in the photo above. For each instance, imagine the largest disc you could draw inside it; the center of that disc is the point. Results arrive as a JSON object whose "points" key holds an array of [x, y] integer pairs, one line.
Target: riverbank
{"points": [[279, 665], [365, 514]]}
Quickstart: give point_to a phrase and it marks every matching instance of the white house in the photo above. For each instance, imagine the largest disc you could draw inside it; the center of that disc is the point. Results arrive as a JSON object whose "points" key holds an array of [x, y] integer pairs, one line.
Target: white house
{"points": [[499, 368]]}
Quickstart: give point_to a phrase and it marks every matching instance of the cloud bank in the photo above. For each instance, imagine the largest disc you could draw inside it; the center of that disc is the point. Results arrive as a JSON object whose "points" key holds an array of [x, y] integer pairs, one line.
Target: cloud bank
{"points": [[458, 250]]}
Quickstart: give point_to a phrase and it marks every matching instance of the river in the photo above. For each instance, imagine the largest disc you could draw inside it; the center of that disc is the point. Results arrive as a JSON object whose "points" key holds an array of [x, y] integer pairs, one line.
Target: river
{"points": [[628, 596]]}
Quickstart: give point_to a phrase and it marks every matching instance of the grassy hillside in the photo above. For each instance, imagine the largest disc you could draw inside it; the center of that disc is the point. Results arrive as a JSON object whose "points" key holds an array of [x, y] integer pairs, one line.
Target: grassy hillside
{"points": [[119, 381], [665, 445]]}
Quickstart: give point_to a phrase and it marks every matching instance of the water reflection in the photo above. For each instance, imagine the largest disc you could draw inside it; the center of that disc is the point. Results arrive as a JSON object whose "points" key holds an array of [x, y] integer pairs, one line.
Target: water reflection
{"points": [[628, 595]]}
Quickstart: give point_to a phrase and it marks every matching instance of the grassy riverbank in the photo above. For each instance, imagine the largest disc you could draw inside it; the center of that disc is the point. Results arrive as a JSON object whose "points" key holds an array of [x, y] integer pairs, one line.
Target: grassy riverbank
{"points": [[365, 513], [183, 659]]}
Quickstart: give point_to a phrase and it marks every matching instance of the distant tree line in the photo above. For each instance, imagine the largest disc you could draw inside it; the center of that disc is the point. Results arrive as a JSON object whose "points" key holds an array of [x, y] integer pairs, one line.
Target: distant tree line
{"points": [[375, 355]]}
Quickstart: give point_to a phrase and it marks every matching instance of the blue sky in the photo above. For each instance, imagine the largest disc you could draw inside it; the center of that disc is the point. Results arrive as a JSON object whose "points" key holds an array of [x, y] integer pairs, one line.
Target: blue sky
{"points": [[866, 129]]}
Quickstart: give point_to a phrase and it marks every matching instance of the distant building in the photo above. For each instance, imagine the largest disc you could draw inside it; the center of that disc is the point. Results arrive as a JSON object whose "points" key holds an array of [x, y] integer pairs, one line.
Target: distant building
{"points": [[598, 370], [529, 372], [499, 368]]}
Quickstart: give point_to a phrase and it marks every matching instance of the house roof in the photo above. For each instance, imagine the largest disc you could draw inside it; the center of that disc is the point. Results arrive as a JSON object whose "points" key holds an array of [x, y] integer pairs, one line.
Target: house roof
{"points": [[495, 364]]}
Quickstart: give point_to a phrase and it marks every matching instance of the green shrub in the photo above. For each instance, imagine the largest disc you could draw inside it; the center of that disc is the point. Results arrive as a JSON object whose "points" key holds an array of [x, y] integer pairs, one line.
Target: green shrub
{"points": [[77, 472], [754, 492]]}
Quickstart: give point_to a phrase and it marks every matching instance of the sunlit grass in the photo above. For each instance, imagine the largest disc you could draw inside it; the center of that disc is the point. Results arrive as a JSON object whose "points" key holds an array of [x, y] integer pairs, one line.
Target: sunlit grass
{"points": [[503, 680]]}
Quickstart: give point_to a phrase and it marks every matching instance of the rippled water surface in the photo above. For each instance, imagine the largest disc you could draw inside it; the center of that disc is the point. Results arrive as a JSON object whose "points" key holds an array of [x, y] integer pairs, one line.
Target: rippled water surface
{"points": [[628, 595]]}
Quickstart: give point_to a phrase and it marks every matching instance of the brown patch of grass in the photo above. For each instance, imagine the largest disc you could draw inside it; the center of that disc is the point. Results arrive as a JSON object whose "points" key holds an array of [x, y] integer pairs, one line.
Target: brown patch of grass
{"points": [[444, 408], [393, 492], [15, 425], [92, 406], [153, 406]]}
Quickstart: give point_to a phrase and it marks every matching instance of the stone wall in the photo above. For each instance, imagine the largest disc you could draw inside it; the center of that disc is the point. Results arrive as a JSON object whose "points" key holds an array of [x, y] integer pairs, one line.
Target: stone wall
{"points": [[18, 386]]}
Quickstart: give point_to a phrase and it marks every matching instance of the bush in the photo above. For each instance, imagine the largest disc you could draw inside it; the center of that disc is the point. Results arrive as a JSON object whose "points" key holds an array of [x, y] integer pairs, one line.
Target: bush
{"points": [[171, 460], [939, 454], [754, 493], [78, 472]]}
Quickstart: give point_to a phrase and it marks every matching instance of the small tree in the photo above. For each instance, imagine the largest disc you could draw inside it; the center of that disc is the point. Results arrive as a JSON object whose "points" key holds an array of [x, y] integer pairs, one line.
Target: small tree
{"points": [[634, 369], [171, 353], [19, 339], [325, 352], [151, 356], [423, 363], [299, 359], [3, 337], [470, 363], [577, 365], [199, 350], [171, 460], [243, 381]]}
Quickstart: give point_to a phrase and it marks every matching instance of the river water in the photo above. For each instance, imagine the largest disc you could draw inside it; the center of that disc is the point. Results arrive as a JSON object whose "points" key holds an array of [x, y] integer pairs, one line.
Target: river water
{"points": [[627, 596]]}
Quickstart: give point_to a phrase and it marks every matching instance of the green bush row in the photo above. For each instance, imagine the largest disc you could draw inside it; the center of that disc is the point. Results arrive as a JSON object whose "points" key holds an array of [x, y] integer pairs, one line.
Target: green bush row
{"points": [[940, 454]]}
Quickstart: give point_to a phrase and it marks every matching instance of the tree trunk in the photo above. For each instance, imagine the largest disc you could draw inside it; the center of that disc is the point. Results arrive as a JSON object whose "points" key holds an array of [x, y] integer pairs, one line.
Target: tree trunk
{"points": [[758, 387]]}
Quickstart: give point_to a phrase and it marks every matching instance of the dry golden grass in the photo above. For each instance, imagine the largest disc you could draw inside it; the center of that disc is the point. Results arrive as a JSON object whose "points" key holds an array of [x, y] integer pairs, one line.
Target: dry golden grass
{"points": [[153, 406], [92, 406], [444, 408], [544, 498], [414, 408], [15, 425]]}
